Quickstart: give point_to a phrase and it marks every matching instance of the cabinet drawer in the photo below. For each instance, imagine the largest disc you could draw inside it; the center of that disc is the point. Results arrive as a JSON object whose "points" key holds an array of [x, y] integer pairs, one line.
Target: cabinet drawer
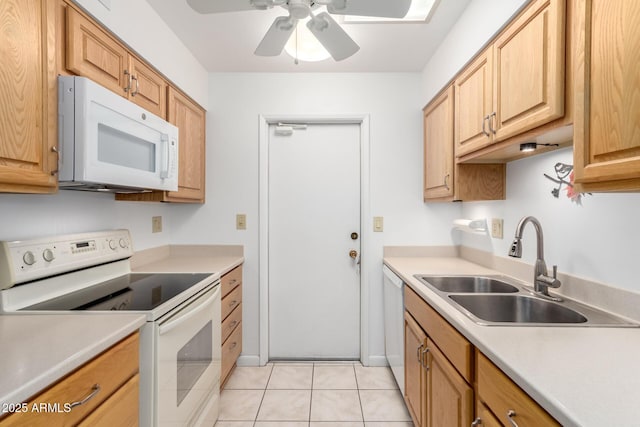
{"points": [[501, 395], [454, 345], [231, 301], [230, 351], [231, 322], [230, 280], [121, 409], [110, 371]]}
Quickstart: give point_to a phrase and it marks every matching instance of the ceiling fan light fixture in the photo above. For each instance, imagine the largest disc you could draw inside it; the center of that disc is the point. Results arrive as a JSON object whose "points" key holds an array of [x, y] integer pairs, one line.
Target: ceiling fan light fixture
{"points": [[304, 46], [420, 11]]}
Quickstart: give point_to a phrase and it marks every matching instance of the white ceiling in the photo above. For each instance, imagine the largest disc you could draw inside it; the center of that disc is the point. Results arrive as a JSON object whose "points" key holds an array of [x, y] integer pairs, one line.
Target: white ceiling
{"points": [[226, 42]]}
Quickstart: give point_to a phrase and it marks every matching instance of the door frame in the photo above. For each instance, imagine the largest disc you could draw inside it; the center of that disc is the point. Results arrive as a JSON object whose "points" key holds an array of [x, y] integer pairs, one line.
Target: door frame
{"points": [[365, 227]]}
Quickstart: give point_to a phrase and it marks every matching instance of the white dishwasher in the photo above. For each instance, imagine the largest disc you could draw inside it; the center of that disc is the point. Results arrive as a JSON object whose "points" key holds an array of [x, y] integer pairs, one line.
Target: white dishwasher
{"points": [[394, 324]]}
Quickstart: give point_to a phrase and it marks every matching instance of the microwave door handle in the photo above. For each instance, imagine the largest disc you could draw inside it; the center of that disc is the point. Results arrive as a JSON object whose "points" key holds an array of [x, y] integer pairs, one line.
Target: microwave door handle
{"points": [[166, 154]]}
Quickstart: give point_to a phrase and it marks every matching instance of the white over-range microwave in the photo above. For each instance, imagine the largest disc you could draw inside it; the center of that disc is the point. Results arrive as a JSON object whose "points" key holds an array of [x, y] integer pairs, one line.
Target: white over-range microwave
{"points": [[107, 143]]}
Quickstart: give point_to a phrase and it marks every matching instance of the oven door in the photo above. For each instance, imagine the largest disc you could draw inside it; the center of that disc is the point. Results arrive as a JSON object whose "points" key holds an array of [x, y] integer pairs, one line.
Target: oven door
{"points": [[188, 360]]}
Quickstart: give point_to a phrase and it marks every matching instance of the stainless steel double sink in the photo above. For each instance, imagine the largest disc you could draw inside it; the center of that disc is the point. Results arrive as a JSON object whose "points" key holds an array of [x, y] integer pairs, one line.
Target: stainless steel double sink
{"points": [[502, 301]]}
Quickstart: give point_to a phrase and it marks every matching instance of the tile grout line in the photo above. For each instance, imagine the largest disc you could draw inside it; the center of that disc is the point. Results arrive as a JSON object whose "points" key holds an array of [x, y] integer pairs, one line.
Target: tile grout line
{"points": [[313, 374], [359, 397], [264, 393]]}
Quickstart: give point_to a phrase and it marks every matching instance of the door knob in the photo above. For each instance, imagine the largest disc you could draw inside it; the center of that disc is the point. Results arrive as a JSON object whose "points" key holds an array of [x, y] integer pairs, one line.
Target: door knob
{"points": [[353, 253]]}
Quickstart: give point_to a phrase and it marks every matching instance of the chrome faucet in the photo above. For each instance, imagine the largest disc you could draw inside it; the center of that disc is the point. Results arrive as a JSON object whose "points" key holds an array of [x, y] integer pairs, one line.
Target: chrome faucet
{"points": [[541, 280]]}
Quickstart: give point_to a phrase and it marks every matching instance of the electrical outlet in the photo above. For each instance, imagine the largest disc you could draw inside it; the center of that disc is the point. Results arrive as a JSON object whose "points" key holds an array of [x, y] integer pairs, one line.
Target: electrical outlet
{"points": [[156, 224], [378, 224], [497, 225], [241, 222]]}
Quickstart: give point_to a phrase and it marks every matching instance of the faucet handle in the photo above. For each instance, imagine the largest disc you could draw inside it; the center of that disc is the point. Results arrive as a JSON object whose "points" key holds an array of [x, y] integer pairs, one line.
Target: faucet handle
{"points": [[555, 271]]}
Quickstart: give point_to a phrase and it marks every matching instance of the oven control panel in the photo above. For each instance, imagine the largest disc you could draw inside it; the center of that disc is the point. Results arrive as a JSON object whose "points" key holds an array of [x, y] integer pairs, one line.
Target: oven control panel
{"points": [[26, 260]]}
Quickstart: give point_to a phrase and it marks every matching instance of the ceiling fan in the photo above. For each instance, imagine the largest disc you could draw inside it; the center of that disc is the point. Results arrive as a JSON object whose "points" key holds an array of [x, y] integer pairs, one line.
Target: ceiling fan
{"points": [[328, 32]]}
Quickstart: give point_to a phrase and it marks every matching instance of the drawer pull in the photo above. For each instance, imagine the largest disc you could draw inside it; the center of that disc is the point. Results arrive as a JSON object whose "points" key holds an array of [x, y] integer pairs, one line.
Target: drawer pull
{"points": [[476, 422], [232, 303], [94, 390], [233, 281], [510, 416], [233, 345], [233, 324], [418, 353]]}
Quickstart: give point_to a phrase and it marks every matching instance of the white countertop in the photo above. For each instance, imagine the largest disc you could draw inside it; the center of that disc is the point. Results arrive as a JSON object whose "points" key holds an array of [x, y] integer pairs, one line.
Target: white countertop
{"points": [[188, 259], [38, 350], [583, 376]]}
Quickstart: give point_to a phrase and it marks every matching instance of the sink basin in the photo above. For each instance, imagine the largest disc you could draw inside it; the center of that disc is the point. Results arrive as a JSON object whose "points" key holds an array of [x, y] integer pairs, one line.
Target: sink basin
{"points": [[467, 284], [517, 309]]}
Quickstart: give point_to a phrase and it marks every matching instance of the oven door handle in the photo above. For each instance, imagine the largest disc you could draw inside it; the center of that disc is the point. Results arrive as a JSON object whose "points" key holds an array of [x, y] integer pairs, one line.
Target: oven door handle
{"points": [[190, 311]]}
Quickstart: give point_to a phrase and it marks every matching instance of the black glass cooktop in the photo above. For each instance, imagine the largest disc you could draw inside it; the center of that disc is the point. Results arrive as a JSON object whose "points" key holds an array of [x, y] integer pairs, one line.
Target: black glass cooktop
{"points": [[131, 292]]}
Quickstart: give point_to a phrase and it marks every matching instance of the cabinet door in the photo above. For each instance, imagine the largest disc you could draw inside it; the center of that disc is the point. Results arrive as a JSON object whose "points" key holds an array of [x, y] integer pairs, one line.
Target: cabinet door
{"points": [[28, 94], [484, 417], [190, 119], [415, 380], [438, 148], [607, 123], [473, 105], [449, 397], [92, 53], [529, 70], [148, 88]]}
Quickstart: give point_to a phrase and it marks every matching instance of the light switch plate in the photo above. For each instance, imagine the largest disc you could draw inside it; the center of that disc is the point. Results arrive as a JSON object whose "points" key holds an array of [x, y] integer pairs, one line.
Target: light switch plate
{"points": [[378, 224], [497, 231], [241, 222], [156, 224]]}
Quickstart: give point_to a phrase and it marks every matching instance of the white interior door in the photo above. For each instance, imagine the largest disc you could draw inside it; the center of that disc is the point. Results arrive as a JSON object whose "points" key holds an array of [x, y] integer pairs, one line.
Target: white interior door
{"points": [[314, 207]]}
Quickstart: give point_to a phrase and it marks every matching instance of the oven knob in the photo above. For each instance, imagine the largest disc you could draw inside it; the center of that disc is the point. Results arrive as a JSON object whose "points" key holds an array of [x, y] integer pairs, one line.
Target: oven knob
{"points": [[48, 255], [123, 243], [29, 258], [112, 245]]}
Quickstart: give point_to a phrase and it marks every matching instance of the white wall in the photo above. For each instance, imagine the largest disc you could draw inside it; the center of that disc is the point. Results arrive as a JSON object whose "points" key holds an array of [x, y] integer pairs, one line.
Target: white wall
{"points": [[27, 216], [597, 241], [394, 105]]}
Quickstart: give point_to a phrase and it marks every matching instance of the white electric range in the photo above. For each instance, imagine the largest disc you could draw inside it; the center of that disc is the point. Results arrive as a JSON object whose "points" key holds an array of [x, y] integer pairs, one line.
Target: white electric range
{"points": [[90, 272]]}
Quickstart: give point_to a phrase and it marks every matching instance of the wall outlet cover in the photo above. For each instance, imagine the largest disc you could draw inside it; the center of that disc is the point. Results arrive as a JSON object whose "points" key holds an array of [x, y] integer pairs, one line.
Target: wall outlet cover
{"points": [[497, 225], [241, 222], [156, 224]]}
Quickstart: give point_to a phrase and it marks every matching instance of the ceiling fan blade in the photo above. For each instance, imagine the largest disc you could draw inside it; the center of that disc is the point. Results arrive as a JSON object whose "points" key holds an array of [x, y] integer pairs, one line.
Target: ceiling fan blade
{"points": [[220, 6], [332, 36], [381, 8], [277, 36]]}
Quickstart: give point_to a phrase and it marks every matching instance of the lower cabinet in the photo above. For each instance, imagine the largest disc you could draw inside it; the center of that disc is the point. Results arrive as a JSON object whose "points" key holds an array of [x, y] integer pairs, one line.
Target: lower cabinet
{"points": [[437, 393], [231, 321], [505, 400], [445, 376], [102, 392]]}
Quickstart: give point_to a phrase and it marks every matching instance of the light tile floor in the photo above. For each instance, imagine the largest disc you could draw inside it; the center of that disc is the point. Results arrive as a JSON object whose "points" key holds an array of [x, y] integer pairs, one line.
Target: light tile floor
{"points": [[312, 395]]}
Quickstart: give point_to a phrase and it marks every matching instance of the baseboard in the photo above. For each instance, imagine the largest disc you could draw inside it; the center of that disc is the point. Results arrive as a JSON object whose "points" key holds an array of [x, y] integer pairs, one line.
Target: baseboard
{"points": [[248, 360], [378, 361]]}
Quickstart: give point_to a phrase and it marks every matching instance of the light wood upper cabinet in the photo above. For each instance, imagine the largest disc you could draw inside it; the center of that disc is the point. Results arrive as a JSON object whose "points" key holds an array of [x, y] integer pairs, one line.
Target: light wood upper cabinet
{"points": [[190, 119], [607, 95], [92, 52], [515, 89], [474, 105], [444, 180], [438, 147], [28, 94], [529, 70]]}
